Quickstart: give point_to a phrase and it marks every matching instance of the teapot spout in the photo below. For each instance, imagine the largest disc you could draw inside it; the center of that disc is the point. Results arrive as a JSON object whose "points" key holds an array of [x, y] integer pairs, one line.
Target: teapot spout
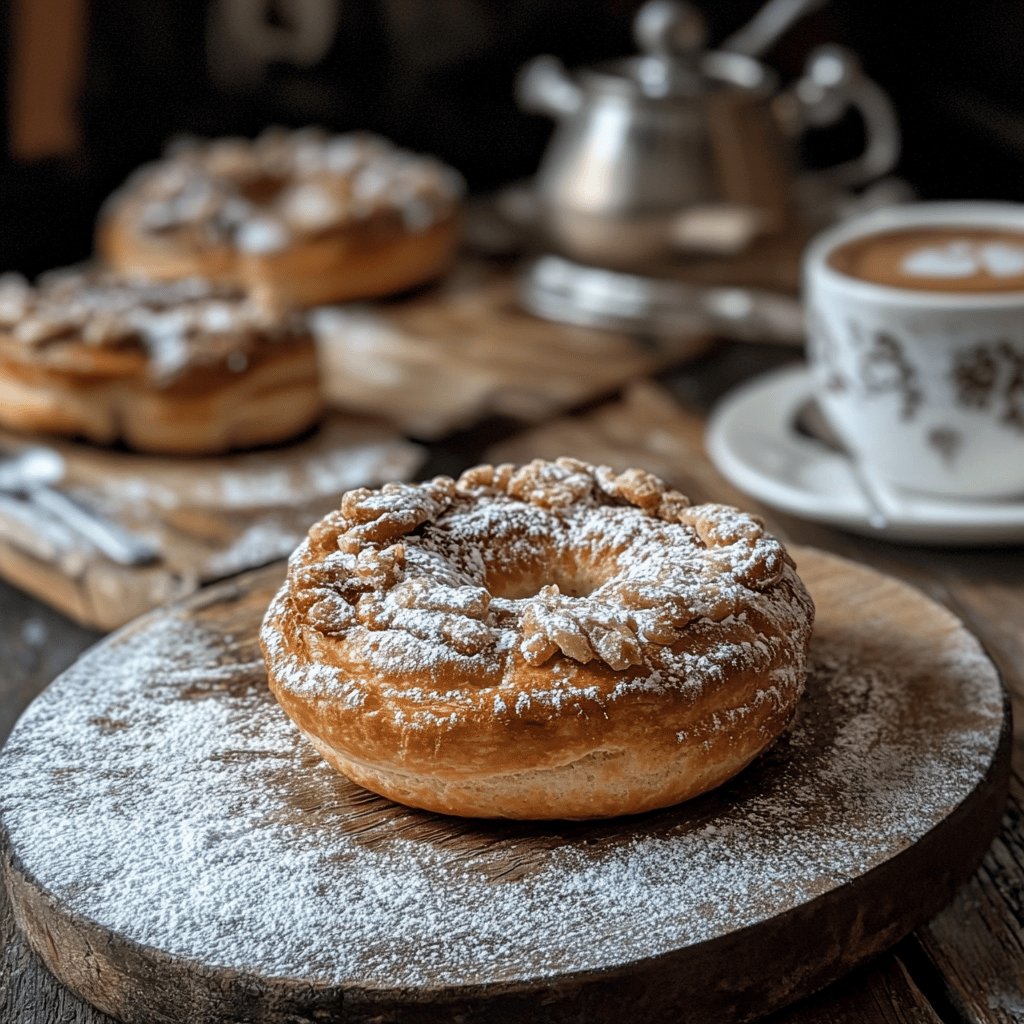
{"points": [[545, 87]]}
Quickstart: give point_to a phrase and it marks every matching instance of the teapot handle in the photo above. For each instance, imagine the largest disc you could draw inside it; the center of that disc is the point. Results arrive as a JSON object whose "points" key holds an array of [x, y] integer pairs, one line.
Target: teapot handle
{"points": [[832, 83], [543, 86]]}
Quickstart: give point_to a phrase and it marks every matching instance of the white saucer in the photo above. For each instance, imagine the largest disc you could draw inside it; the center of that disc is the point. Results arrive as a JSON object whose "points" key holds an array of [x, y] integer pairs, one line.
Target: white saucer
{"points": [[752, 439]]}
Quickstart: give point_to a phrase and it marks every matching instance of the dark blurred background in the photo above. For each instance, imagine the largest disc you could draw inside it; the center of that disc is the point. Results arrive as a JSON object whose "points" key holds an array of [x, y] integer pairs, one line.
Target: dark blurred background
{"points": [[92, 89]]}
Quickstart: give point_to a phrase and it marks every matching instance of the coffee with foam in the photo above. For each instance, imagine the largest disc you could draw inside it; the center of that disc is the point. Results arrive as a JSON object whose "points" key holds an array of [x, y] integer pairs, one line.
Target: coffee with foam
{"points": [[936, 259], [916, 344]]}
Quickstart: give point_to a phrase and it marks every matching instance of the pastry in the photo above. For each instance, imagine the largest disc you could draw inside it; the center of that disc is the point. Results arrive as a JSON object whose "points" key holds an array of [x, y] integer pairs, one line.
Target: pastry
{"points": [[301, 218], [550, 641], [185, 367]]}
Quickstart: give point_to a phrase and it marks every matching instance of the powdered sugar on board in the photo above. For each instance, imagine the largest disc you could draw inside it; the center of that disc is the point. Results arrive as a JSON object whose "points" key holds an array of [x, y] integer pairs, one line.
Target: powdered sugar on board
{"points": [[157, 790]]}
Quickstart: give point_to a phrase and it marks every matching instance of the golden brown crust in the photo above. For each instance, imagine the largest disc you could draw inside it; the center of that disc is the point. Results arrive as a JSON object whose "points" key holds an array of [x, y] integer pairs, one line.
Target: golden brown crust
{"points": [[362, 265], [178, 369], [131, 251], [301, 218], [553, 641]]}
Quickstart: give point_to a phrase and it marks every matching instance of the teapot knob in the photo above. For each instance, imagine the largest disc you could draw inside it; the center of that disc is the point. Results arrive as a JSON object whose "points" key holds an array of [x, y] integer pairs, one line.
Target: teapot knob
{"points": [[670, 29], [545, 87]]}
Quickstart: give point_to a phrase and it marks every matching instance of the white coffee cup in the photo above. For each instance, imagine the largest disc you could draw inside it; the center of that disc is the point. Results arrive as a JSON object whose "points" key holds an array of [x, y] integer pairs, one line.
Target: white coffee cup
{"points": [[925, 388]]}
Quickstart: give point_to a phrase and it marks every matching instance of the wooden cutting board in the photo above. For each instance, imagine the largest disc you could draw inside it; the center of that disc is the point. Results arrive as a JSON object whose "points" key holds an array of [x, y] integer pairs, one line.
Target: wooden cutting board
{"points": [[445, 357], [209, 517], [174, 851]]}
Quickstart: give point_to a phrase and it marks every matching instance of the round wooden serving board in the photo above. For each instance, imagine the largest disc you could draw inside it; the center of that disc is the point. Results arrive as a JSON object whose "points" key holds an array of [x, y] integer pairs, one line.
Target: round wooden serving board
{"points": [[175, 852]]}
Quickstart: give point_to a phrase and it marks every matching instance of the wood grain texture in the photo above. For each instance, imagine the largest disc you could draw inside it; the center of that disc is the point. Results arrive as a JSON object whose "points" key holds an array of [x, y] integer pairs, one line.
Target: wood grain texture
{"points": [[210, 517], [977, 944], [883, 992], [811, 936], [985, 587], [444, 358], [28, 991]]}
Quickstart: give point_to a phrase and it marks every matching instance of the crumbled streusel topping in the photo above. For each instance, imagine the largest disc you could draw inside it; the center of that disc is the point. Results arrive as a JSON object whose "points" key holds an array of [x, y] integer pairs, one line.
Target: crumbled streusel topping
{"points": [[606, 563], [260, 195], [179, 324]]}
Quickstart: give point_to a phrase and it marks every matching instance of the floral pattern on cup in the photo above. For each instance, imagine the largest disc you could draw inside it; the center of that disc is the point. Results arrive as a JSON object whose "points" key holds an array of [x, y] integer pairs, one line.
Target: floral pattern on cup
{"points": [[925, 388], [991, 375], [885, 369], [947, 442], [985, 375], [820, 336], [882, 365]]}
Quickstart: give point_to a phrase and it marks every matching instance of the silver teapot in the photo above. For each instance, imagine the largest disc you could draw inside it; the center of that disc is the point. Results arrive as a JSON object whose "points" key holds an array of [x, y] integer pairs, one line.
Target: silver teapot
{"points": [[680, 147]]}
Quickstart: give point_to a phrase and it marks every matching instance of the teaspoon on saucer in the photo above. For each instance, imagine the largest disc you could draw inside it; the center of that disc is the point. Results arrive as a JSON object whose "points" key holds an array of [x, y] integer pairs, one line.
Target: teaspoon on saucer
{"points": [[883, 505], [754, 440]]}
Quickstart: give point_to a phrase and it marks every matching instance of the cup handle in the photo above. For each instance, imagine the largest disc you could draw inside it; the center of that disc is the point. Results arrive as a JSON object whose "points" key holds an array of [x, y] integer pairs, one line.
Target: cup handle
{"points": [[833, 82]]}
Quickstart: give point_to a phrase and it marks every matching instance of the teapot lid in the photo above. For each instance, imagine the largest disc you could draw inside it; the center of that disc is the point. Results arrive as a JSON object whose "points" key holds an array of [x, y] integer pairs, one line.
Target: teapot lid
{"points": [[674, 61]]}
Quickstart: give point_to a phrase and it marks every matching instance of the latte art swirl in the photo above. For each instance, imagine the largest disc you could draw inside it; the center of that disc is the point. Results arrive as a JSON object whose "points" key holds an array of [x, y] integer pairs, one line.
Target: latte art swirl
{"points": [[949, 258]]}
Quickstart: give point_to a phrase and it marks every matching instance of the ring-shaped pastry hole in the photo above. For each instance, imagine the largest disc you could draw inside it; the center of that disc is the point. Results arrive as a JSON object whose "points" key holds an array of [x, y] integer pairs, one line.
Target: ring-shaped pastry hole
{"points": [[573, 580], [521, 549], [560, 564]]}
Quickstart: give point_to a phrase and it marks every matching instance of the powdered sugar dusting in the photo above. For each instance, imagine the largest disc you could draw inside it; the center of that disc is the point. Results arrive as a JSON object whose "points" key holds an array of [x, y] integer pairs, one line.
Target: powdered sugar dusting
{"points": [[262, 195], [158, 790], [552, 560], [177, 325]]}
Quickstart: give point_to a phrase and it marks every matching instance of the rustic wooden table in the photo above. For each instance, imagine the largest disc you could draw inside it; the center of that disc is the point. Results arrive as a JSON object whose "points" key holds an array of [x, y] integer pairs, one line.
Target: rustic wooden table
{"points": [[965, 965]]}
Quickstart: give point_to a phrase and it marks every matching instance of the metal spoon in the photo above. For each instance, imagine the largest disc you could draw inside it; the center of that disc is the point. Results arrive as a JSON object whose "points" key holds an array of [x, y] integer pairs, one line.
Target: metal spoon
{"points": [[32, 472], [882, 504]]}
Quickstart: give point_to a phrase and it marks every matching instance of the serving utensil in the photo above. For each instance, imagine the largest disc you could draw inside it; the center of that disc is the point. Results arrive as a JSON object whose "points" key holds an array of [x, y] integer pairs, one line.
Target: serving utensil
{"points": [[882, 503], [32, 473]]}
